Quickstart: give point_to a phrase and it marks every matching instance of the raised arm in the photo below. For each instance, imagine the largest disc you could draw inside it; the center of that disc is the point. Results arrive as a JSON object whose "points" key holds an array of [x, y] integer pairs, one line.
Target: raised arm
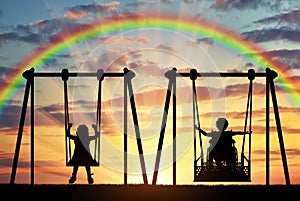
{"points": [[69, 131], [97, 133], [238, 132], [200, 130]]}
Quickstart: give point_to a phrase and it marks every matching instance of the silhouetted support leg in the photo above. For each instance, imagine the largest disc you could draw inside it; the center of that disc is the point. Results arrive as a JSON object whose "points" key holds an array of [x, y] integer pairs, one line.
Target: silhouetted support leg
{"points": [[128, 76], [267, 130], [272, 75], [171, 76], [29, 76], [32, 132], [125, 131], [174, 130]]}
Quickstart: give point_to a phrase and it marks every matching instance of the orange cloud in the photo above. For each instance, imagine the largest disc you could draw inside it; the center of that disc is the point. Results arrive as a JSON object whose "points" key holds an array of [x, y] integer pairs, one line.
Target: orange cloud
{"points": [[75, 15], [220, 2]]}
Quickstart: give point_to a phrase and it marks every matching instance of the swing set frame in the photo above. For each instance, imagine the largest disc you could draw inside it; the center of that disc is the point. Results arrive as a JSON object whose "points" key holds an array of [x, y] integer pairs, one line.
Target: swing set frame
{"points": [[269, 76], [30, 75], [172, 75]]}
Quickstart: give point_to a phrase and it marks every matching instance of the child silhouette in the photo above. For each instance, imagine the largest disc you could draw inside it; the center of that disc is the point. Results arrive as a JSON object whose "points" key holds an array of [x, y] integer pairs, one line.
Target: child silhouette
{"points": [[223, 153], [81, 155]]}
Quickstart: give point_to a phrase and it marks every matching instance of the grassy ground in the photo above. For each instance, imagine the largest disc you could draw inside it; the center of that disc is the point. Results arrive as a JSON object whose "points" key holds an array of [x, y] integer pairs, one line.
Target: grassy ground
{"points": [[149, 192]]}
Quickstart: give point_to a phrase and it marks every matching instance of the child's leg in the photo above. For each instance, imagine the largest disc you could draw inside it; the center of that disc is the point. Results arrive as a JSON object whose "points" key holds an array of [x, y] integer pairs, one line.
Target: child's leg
{"points": [[88, 170], [75, 170], [89, 174], [74, 173]]}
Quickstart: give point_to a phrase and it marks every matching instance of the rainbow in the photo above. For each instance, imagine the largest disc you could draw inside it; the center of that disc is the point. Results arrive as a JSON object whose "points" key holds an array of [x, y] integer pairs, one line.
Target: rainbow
{"points": [[106, 27]]}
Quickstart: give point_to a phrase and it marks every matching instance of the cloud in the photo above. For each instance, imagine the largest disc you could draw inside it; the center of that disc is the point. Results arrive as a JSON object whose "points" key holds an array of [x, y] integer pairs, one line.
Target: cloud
{"points": [[167, 1], [6, 161], [188, 1], [126, 40], [165, 47], [293, 152], [43, 26], [137, 4], [242, 89], [207, 41], [200, 41], [289, 58], [247, 4], [285, 27], [289, 17], [10, 117], [81, 11], [235, 4], [51, 115], [75, 14], [13, 36], [266, 35], [4, 71], [38, 32]]}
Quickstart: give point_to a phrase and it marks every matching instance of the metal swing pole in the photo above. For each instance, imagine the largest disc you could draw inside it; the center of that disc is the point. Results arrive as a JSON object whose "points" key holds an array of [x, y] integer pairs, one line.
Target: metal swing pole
{"points": [[128, 76], [28, 75], [32, 131], [125, 131], [100, 77], [171, 75], [193, 77], [174, 129], [194, 124], [251, 77], [250, 122], [65, 77], [267, 130], [271, 75]]}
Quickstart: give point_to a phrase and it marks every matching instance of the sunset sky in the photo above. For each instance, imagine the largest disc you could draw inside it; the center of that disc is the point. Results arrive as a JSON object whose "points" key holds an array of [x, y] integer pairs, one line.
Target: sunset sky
{"points": [[149, 38]]}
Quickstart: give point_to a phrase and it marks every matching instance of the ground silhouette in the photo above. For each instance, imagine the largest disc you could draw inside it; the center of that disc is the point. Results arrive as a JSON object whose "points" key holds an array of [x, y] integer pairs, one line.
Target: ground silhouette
{"points": [[147, 192]]}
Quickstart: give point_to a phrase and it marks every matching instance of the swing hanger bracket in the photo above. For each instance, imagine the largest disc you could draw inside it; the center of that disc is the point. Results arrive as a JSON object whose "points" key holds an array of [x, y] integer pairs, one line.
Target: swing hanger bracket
{"points": [[100, 74], [271, 74], [193, 74], [251, 74], [65, 74], [28, 74], [128, 74], [171, 74]]}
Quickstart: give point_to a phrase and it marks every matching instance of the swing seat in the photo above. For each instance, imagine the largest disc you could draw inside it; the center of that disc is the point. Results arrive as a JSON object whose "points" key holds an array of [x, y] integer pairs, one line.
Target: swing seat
{"points": [[237, 171], [83, 158], [206, 173], [89, 163]]}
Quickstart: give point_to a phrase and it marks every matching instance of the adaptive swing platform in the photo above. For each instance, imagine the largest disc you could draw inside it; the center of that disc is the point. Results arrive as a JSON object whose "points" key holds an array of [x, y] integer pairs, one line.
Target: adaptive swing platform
{"points": [[206, 173]]}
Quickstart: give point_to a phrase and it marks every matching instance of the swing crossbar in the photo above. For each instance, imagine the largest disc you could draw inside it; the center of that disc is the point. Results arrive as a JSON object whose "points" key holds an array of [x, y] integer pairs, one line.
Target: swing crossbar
{"points": [[117, 74], [77, 74], [221, 74]]}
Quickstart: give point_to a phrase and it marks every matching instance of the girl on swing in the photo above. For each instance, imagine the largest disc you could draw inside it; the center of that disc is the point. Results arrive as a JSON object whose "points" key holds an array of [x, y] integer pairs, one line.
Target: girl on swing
{"points": [[81, 155]]}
